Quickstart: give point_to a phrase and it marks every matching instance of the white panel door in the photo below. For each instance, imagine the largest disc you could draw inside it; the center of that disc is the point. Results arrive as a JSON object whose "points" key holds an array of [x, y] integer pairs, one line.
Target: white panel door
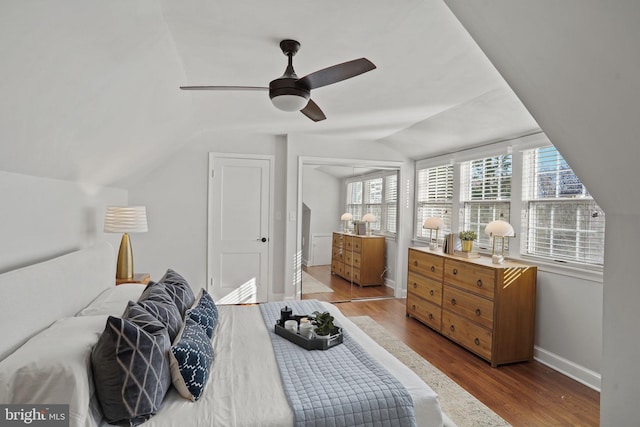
{"points": [[239, 229]]}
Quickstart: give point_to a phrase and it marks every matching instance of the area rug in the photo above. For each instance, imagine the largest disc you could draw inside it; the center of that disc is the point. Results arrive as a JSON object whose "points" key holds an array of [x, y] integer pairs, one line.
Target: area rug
{"points": [[310, 285], [459, 406]]}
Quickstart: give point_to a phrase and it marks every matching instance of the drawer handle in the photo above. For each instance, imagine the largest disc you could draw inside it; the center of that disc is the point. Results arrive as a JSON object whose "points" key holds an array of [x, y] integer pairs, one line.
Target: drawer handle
{"points": [[433, 268], [455, 271], [415, 263], [413, 307], [479, 283], [453, 301], [453, 328], [478, 312], [415, 285], [430, 316], [476, 341], [431, 292]]}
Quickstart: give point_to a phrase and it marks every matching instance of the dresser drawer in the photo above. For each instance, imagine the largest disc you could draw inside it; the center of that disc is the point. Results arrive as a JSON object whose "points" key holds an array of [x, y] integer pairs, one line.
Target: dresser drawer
{"points": [[468, 334], [356, 259], [336, 253], [475, 278], [338, 240], [465, 304], [426, 264], [426, 312], [425, 288], [337, 267], [348, 258], [348, 243]]}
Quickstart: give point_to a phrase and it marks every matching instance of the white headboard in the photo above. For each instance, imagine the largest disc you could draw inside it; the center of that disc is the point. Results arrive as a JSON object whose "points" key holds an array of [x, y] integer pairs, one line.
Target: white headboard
{"points": [[34, 297]]}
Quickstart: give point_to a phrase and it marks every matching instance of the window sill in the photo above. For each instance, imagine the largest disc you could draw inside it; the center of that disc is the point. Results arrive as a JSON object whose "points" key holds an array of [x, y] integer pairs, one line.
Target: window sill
{"points": [[570, 270]]}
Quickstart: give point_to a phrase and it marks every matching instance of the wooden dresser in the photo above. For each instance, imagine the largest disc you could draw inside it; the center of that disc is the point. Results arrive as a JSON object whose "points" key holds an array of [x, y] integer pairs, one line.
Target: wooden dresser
{"points": [[487, 308], [358, 258]]}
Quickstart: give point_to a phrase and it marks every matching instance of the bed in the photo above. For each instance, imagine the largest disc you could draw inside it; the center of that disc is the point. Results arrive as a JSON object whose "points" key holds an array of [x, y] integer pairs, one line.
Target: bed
{"points": [[53, 314]]}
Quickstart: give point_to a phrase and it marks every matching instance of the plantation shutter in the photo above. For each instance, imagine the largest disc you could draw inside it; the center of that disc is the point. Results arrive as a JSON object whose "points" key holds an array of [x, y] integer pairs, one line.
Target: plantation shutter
{"points": [[486, 194], [434, 196], [391, 202]]}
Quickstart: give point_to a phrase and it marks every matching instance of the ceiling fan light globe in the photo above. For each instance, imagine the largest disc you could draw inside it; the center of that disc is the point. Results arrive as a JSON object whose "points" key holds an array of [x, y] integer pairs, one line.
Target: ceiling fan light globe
{"points": [[289, 102]]}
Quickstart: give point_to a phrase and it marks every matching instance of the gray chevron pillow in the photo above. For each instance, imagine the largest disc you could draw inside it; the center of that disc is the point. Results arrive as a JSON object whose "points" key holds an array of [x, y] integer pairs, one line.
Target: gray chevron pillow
{"points": [[166, 312], [179, 290], [131, 368]]}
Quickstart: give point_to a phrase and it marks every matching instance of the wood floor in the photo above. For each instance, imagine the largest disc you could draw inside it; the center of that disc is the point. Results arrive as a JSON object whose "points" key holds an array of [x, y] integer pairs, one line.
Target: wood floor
{"points": [[524, 394], [342, 289]]}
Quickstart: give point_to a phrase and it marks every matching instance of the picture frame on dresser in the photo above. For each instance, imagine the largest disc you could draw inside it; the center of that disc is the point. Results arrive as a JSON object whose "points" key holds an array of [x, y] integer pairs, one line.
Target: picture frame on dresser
{"points": [[487, 308]]}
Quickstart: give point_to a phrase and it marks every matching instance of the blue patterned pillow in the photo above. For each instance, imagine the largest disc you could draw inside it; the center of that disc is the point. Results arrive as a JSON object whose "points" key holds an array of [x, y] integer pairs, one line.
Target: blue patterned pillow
{"points": [[204, 312], [131, 369], [179, 290], [190, 359]]}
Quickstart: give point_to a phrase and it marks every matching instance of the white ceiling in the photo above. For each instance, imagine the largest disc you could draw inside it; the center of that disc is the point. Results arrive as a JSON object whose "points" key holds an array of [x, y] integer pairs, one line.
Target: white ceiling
{"points": [[90, 89]]}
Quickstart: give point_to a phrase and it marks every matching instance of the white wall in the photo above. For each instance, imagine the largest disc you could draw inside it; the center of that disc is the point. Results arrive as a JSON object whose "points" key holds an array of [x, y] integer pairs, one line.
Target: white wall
{"points": [[321, 193], [175, 194], [41, 218]]}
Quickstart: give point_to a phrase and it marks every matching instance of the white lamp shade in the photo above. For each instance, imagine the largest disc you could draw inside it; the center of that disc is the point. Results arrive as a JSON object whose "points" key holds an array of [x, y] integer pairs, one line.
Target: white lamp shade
{"points": [[369, 218], [346, 217], [125, 219], [433, 223], [289, 102], [499, 228]]}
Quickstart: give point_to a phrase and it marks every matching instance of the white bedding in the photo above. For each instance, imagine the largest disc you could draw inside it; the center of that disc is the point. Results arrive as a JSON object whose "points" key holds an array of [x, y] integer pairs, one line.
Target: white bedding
{"points": [[244, 388]]}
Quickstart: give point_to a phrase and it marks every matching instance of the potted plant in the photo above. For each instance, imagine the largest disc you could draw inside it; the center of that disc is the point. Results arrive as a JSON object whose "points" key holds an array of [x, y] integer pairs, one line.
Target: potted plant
{"points": [[323, 323], [467, 237]]}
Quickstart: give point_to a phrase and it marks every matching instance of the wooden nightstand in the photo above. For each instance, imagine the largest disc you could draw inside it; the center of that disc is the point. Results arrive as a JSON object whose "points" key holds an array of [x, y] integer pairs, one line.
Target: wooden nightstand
{"points": [[141, 278]]}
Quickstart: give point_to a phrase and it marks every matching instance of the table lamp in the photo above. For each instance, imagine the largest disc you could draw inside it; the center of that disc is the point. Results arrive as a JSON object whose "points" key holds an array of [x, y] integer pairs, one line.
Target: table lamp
{"points": [[346, 217], [369, 218], [125, 219], [500, 229], [433, 223]]}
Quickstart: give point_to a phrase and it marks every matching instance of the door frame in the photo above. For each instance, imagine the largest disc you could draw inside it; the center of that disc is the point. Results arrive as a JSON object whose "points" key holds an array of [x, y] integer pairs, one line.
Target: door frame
{"points": [[379, 164], [210, 204]]}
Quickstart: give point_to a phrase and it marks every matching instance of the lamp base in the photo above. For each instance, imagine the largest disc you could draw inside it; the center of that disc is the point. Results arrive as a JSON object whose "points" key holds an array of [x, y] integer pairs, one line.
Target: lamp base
{"points": [[124, 267], [433, 246], [497, 259]]}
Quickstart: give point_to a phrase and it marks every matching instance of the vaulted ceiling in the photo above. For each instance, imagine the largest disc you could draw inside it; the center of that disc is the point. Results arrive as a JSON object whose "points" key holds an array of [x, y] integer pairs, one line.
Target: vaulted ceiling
{"points": [[90, 89]]}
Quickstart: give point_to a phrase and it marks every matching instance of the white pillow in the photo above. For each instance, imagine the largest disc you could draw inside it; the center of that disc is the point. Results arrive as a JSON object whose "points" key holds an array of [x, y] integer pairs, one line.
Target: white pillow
{"points": [[113, 301], [54, 367]]}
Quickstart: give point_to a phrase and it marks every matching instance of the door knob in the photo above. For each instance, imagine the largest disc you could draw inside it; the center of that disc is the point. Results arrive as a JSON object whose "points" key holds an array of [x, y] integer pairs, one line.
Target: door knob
{"points": [[264, 239]]}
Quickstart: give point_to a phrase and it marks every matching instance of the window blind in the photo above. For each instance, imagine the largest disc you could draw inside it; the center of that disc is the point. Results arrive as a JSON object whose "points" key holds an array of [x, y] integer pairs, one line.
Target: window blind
{"points": [[562, 221], [377, 195], [434, 197]]}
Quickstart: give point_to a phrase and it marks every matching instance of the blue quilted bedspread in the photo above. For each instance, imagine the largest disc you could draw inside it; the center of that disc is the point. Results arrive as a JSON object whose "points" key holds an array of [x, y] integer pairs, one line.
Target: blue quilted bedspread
{"points": [[341, 386]]}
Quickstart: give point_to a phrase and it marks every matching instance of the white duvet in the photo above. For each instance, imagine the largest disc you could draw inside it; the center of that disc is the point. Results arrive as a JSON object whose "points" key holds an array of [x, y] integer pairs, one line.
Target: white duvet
{"points": [[244, 388]]}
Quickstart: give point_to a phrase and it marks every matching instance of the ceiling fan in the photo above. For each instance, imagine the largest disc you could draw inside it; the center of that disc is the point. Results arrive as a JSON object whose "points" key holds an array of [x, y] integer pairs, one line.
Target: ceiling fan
{"points": [[290, 93]]}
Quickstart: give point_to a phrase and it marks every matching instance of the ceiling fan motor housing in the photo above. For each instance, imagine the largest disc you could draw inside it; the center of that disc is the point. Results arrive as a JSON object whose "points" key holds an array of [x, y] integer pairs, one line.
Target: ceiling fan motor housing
{"points": [[288, 86]]}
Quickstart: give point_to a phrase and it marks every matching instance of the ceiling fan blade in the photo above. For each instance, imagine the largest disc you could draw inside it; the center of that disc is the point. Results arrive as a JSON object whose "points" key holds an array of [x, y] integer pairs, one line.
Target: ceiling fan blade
{"points": [[224, 88], [337, 73], [313, 112]]}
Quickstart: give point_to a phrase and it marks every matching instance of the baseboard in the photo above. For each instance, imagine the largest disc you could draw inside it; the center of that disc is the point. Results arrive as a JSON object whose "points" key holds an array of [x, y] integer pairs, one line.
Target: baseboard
{"points": [[566, 367]]}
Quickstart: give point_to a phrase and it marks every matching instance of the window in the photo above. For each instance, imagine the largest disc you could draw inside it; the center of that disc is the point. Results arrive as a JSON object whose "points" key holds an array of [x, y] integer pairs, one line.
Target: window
{"points": [[434, 197], [377, 195], [562, 222], [485, 193]]}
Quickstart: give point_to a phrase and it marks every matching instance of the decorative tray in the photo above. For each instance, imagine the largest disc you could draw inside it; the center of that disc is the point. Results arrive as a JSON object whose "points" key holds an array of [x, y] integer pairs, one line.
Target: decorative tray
{"points": [[335, 338]]}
